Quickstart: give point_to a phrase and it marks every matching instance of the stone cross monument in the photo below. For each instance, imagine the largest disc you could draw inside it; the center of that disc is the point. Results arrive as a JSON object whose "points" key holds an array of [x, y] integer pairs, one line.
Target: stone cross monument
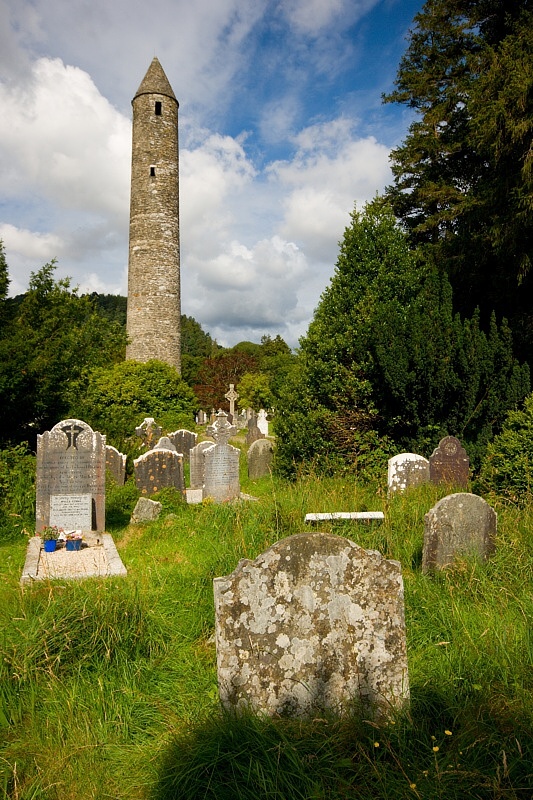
{"points": [[232, 396], [154, 314]]}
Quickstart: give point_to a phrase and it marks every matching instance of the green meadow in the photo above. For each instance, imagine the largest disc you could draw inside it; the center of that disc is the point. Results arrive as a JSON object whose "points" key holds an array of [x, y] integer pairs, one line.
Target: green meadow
{"points": [[108, 687]]}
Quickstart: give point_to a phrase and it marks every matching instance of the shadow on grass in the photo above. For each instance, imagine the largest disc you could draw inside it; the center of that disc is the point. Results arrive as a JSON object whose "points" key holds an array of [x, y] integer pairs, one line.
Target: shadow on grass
{"points": [[430, 753]]}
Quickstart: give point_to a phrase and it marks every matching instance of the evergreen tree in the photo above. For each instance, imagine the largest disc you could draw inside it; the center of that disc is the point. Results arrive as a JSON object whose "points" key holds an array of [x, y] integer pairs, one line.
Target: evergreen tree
{"points": [[463, 176]]}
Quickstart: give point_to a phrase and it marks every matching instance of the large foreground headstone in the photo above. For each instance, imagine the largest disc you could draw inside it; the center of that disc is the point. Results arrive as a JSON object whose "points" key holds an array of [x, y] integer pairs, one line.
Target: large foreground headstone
{"points": [[221, 463], [459, 524], [259, 456], [70, 481], [406, 470], [314, 623], [449, 463]]}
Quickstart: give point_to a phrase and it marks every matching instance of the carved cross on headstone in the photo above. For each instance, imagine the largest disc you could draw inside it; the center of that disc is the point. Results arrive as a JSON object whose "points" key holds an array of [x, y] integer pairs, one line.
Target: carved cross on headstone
{"points": [[221, 430], [231, 396], [72, 432]]}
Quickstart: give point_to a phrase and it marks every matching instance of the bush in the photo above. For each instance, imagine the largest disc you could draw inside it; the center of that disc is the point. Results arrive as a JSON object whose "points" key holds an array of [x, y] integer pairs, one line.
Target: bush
{"points": [[115, 400], [17, 492], [508, 465]]}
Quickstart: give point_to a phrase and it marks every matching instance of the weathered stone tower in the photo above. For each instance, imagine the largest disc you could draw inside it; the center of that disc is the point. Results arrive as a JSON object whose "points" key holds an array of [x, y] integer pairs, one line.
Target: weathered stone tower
{"points": [[153, 316]]}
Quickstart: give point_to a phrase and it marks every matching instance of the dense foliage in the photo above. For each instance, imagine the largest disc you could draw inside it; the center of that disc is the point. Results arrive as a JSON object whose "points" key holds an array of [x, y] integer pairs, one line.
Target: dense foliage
{"points": [[463, 176], [116, 399], [385, 354], [47, 339]]}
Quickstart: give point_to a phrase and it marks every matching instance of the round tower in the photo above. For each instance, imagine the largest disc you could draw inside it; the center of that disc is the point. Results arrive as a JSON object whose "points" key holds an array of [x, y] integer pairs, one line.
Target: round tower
{"points": [[153, 315]]}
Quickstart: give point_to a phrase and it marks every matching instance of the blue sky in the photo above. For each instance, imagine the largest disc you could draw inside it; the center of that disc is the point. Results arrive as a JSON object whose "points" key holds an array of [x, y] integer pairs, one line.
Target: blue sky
{"points": [[282, 131]]}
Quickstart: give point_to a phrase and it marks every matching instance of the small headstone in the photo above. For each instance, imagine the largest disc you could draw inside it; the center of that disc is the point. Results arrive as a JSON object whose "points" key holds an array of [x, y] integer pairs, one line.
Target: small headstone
{"points": [[221, 463], [165, 443], [262, 422], [201, 418], [407, 470], [184, 441], [158, 469], [116, 464], [459, 524], [70, 481], [449, 463], [253, 431], [149, 432], [314, 623], [259, 456], [197, 467], [146, 510]]}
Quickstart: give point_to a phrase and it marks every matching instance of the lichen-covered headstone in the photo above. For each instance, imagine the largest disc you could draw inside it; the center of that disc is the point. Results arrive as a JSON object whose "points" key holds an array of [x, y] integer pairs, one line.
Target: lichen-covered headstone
{"points": [[116, 464], [449, 463], [157, 469], [459, 524], [314, 623], [70, 481], [146, 510], [259, 456], [406, 470], [221, 463], [184, 441], [253, 433], [197, 465]]}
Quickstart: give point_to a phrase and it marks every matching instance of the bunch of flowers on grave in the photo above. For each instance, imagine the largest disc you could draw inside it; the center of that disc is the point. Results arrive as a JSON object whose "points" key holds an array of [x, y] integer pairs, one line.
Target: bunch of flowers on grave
{"points": [[73, 536], [51, 532]]}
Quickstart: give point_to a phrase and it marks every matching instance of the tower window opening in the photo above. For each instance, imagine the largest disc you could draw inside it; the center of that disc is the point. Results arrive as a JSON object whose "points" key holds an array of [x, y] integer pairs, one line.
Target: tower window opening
{"points": [[158, 108], [152, 172]]}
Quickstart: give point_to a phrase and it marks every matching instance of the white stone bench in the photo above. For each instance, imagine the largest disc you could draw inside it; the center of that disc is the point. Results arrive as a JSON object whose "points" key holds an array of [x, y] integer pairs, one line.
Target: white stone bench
{"points": [[358, 516]]}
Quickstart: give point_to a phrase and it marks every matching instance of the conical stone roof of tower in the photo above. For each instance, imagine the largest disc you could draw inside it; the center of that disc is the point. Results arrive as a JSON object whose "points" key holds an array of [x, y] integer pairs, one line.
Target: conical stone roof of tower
{"points": [[155, 82]]}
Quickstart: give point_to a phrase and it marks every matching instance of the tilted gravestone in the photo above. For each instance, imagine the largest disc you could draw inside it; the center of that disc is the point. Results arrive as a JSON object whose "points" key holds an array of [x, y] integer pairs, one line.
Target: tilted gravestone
{"points": [[459, 524], [70, 481], [449, 463], [259, 456], [146, 510], [158, 468], [116, 464], [405, 471], [314, 623], [149, 432], [221, 463], [197, 467], [183, 441]]}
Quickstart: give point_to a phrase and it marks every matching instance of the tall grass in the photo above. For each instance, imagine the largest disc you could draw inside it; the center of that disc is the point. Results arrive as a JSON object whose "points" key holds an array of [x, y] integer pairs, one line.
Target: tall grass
{"points": [[108, 687]]}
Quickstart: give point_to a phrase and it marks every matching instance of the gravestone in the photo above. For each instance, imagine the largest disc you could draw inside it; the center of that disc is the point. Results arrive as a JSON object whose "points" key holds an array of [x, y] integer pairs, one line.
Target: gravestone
{"points": [[146, 510], [158, 468], [231, 397], [184, 441], [314, 623], [221, 463], [459, 524], [201, 418], [197, 467], [259, 456], [70, 480], [116, 464], [253, 433], [149, 432], [164, 443], [406, 470], [262, 422], [449, 463]]}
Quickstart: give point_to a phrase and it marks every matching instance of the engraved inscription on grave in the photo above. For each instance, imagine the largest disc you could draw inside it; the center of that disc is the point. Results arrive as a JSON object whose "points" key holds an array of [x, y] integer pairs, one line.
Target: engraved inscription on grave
{"points": [[71, 511], [71, 462]]}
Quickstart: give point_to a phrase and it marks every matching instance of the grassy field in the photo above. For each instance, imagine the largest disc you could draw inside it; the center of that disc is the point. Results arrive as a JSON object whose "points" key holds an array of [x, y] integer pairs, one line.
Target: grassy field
{"points": [[108, 687]]}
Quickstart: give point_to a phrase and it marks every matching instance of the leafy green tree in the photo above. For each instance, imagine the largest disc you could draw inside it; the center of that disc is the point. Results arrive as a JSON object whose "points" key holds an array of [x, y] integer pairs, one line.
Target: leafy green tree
{"points": [[254, 391], [386, 357], [116, 399], [463, 176], [50, 338]]}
